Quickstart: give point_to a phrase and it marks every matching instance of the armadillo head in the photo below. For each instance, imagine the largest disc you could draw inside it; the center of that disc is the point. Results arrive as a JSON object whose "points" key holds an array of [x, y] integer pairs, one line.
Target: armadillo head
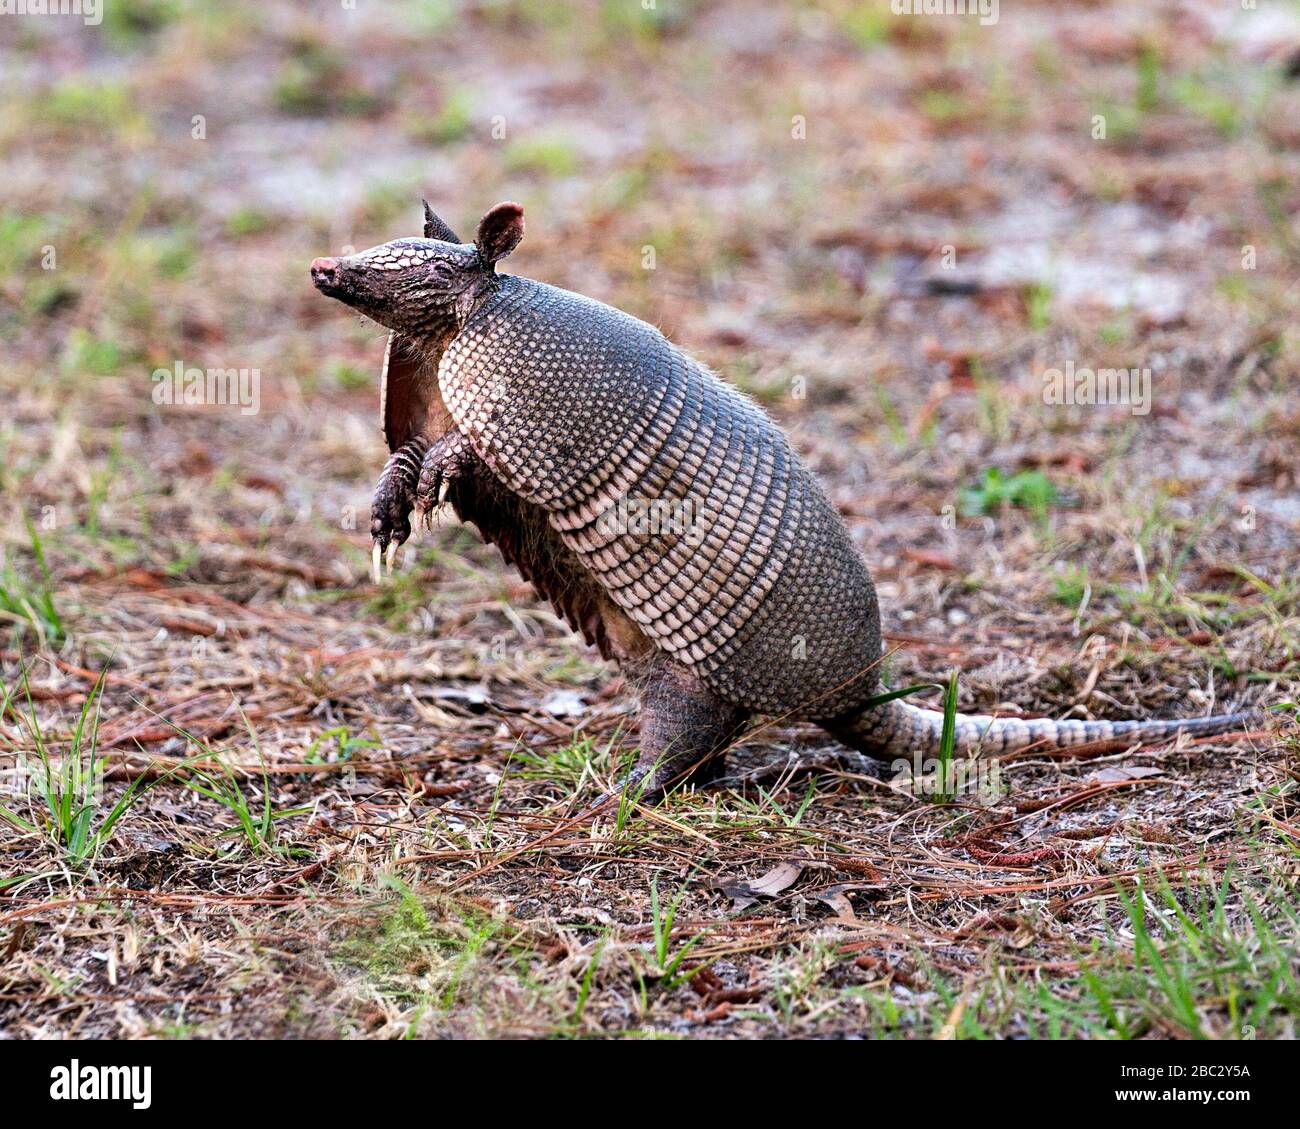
{"points": [[420, 286]]}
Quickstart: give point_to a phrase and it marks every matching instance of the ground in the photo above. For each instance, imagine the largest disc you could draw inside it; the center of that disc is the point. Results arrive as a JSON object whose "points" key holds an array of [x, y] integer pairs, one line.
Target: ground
{"points": [[334, 808]]}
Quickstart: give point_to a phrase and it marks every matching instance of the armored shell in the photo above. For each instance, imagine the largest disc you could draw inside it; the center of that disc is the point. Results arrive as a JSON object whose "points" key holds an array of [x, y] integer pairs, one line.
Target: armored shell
{"points": [[677, 493]]}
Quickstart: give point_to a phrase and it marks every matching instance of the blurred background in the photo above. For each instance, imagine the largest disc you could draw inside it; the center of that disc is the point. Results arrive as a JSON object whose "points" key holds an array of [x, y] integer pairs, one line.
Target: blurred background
{"points": [[885, 227]]}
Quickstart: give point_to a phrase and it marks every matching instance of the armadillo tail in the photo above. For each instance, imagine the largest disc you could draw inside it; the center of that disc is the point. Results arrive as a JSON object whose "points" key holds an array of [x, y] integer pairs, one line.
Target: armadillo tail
{"points": [[896, 729]]}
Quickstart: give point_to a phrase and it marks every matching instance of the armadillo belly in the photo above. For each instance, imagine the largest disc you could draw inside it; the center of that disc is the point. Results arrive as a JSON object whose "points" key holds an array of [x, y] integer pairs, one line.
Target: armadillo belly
{"points": [[677, 493]]}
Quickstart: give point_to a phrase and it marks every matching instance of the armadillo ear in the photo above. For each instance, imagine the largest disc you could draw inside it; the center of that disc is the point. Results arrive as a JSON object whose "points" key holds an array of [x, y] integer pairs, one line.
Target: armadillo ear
{"points": [[499, 231], [434, 228]]}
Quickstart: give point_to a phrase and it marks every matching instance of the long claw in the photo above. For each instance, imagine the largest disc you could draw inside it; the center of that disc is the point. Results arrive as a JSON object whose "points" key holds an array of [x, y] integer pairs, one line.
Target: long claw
{"points": [[443, 488], [392, 554], [375, 556]]}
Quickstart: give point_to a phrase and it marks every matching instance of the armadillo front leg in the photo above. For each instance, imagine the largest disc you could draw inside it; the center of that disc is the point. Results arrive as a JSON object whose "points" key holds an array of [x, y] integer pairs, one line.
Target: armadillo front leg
{"points": [[685, 728], [394, 498], [450, 458]]}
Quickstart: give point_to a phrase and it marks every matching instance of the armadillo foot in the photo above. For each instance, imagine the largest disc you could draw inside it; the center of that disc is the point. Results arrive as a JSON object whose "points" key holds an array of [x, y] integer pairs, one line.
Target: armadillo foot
{"points": [[445, 461], [390, 509], [685, 730]]}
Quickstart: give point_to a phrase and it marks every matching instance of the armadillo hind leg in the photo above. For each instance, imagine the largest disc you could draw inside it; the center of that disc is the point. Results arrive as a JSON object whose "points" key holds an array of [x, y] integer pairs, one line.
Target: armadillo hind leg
{"points": [[685, 729], [897, 729]]}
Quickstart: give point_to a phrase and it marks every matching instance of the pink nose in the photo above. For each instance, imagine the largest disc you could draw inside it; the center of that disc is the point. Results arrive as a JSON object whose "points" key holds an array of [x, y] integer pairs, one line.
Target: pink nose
{"points": [[324, 269]]}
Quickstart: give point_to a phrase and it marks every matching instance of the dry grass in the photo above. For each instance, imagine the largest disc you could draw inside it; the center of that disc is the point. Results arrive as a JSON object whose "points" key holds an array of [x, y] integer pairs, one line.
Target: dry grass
{"points": [[351, 806]]}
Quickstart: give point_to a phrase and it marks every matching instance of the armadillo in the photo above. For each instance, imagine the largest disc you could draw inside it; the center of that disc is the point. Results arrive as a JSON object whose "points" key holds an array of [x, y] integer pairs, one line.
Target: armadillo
{"points": [[660, 510]]}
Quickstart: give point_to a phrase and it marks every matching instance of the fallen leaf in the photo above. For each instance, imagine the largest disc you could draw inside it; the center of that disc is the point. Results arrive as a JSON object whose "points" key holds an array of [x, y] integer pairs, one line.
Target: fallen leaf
{"points": [[931, 559], [780, 877], [1126, 772], [738, 892], [744, 893], [565, 703], [837, 900]]}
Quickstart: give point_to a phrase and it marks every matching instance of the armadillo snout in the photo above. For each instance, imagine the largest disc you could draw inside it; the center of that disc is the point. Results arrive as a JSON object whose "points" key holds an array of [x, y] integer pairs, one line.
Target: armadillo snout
{"points": [[325, 272]]}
